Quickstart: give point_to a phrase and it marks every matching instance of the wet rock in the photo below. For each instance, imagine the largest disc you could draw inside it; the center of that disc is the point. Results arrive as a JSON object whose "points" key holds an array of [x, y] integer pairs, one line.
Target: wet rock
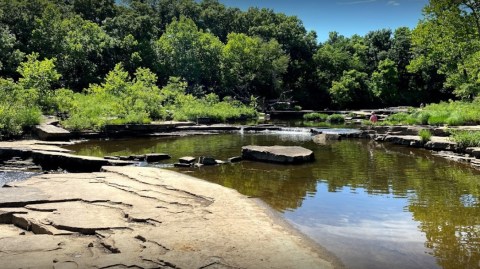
{"points": [[277, 154], [73, 163], [475, 152], [235, 159], [156, 157], [440, 143], [187, 160], [207, 160], [182, 165], [197, 165], [136, 157], [324, 137], [406, 140]]}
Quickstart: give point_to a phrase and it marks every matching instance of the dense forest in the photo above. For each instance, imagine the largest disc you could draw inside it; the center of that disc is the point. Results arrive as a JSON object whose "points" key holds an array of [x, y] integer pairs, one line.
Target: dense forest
{"points": [[140, 60]]}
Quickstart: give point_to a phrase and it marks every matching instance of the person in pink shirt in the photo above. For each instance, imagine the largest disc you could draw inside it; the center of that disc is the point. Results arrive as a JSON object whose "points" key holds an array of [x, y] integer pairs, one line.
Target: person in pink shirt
{"points": [[373, 117]]}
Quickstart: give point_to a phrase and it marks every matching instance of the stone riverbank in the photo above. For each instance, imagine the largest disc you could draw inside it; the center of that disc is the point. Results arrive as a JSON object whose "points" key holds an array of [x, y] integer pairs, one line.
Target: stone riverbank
{"points": [[139, 217]]}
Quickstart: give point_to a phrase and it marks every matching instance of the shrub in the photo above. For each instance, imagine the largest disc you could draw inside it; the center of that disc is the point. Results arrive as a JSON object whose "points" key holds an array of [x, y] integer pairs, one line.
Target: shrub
{"points": [[466, 139], [336, 118], [425, 135], [315, 117]]}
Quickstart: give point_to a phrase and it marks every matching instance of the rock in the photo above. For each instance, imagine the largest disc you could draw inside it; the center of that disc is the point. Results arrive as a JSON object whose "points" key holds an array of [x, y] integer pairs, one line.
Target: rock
{"points": [[220, 162], [50, 132], [182, 165], [277, 154], [187, 159], [406, 140], [207, 160], [144, 217], [197, 165], [440, 143], [156, 157], [73, 163], [235, 159], [324, 137], [475, 152], [111, 157], [136, 157]]}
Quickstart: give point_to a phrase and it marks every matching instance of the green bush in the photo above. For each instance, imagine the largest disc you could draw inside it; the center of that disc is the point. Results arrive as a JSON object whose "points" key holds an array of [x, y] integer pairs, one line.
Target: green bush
{"points": [[18, 108], [425, 135], [315, 117], [466, 139], [336, 118]]}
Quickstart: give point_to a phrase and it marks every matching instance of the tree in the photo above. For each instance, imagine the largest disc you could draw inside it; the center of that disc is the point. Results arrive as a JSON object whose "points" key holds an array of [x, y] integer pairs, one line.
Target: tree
{"points": [[10, 56], [378, 43], [384, 83], [79, 46], [449, 39], [39, 76], [94, 10], [351, 91], [251, 66], [187, 52]]}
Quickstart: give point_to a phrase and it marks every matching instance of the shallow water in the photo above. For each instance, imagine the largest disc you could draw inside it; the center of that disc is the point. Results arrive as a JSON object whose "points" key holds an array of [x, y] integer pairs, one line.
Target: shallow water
{"points": [[373, 205], [12, 176]]}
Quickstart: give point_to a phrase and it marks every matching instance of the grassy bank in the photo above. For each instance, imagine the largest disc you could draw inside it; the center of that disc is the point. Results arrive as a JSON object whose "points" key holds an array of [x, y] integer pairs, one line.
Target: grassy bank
{"points": [[453, 113]]}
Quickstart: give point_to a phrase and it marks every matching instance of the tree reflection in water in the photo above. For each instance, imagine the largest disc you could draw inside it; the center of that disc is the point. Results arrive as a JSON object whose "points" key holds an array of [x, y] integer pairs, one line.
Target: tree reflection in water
{"points": [[442, 196]]}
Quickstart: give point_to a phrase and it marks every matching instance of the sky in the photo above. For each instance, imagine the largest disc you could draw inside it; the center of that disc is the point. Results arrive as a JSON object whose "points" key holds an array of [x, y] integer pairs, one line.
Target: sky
{"points": [[347, 17]]}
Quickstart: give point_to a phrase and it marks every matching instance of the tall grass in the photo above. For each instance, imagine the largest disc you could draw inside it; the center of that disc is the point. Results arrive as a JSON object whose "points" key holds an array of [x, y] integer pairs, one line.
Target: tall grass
{"points": [[425, 135], [453, 113], [466, 139]]}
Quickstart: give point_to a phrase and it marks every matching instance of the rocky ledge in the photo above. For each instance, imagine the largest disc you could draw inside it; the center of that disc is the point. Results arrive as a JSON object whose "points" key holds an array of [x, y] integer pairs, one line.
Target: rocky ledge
{"points": [[139, 217], [277, 154], [50, 156]]}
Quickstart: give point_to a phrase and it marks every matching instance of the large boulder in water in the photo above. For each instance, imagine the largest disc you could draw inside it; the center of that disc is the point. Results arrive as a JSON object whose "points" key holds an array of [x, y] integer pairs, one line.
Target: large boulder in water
{"points": [[277, 154]]}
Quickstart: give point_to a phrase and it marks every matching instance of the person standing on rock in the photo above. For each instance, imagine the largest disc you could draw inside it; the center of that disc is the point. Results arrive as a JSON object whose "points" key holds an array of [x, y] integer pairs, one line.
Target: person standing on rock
{"points": [[373, 117]]}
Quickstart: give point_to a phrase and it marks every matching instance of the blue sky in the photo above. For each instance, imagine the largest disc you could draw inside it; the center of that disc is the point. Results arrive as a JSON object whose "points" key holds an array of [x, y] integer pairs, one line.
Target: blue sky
{"points": [[347, 17]]}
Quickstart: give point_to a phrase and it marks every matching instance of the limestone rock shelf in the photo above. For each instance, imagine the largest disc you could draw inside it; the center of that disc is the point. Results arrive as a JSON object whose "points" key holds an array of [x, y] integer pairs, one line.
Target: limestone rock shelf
{"points": [[143, 218], [277, 154]]}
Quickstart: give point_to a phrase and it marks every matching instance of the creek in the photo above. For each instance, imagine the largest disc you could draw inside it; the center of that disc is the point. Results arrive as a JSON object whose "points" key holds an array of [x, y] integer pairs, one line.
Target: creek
{"points": [[373, 205]]}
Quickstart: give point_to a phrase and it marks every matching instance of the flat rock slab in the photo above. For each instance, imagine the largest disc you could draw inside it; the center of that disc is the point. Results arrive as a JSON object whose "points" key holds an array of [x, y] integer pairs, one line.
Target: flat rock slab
{"points": [[277, 154], [139, 217], [51, 132]]}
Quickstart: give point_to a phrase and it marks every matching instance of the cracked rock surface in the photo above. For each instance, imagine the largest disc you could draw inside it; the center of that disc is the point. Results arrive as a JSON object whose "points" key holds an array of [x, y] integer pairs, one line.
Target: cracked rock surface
{"points": [[141, 217]]}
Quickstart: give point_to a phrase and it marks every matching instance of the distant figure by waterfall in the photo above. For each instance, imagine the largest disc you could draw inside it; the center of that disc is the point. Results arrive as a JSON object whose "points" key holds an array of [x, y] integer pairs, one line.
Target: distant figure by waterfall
{"points": [[373, 117]]}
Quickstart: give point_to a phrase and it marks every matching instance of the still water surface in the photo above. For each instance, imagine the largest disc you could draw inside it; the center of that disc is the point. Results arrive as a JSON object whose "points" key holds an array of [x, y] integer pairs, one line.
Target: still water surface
{"points": [[373, 205]]}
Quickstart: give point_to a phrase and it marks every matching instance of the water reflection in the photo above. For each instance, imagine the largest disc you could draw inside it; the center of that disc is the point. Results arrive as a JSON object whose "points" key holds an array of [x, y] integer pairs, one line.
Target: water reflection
{"points": [[373, 205]]}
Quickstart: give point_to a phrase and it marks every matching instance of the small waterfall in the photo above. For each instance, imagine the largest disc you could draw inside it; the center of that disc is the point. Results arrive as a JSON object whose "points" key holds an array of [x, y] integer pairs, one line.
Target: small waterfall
{"points": [[295, 130]]}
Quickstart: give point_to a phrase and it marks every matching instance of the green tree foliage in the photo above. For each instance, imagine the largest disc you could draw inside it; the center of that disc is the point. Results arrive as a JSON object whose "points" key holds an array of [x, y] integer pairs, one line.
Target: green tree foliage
{"points": [[10, 56], [378, 43], [384, 82], [94, 10], [193, 40], [187, 52], [18, 110], [449, 38], [78, 45], [351, 91], [251, 66], [39, 76]]}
